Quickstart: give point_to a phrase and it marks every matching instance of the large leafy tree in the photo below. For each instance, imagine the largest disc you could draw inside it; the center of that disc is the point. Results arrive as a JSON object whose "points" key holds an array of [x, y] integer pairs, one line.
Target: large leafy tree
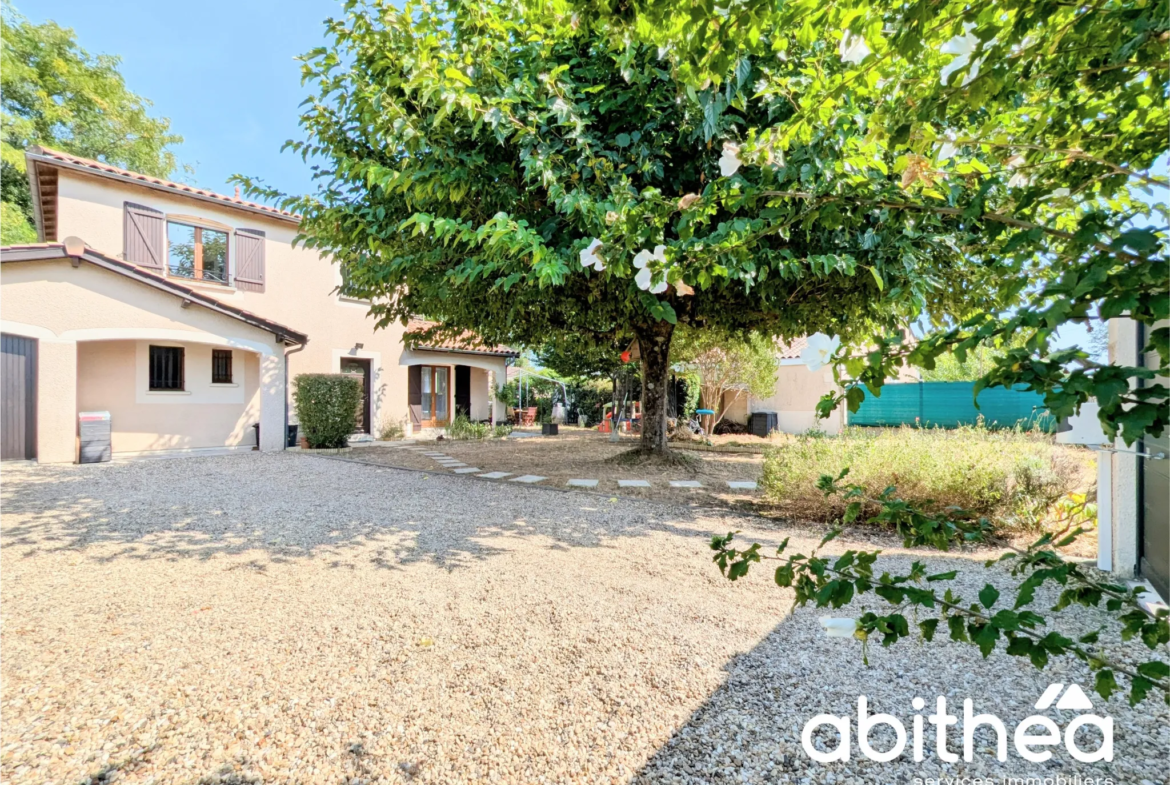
{"points": [[526, 174], [57, 94], [1040, 124], [1044, 126]]}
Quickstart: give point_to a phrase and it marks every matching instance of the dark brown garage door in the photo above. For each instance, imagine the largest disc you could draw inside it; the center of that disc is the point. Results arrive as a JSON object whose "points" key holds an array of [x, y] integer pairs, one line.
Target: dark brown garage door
{"points": [[18, 378]]}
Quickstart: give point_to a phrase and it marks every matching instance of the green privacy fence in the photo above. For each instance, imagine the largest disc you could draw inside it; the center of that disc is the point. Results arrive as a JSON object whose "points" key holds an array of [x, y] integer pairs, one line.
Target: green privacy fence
{"points": [[951, 404]]}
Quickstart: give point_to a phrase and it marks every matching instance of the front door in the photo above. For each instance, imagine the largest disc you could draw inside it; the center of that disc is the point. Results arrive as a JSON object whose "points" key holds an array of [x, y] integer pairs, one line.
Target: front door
{"points": [[463, 390], [18, 416], [361, 370], [433, 386]]}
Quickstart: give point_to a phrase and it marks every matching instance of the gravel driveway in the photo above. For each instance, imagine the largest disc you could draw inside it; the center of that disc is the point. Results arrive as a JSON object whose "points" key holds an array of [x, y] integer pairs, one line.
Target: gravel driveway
{"points": [[290, 618]]}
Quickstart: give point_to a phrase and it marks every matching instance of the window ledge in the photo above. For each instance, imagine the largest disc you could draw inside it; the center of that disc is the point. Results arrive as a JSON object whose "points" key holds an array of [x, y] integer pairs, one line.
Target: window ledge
{"points": [[225, 384], [196, 282], [168, 392]]}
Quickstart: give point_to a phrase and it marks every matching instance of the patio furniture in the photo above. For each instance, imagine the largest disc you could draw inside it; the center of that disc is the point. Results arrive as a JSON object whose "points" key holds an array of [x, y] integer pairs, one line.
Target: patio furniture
{"points": [[528, 417]]}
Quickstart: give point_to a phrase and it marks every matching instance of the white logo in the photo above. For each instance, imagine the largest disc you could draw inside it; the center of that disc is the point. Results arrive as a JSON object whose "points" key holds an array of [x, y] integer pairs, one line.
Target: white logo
{"points": [[1029, 746]]}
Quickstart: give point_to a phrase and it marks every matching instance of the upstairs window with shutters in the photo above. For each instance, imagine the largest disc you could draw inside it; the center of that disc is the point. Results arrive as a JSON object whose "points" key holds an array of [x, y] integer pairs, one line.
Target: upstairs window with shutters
{"points": [[144, 239], [249, 272], [197, 252]]}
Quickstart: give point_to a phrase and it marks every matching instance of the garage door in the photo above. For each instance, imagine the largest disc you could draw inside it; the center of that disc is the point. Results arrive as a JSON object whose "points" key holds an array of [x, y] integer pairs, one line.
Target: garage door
{"points": [[18, 378]]}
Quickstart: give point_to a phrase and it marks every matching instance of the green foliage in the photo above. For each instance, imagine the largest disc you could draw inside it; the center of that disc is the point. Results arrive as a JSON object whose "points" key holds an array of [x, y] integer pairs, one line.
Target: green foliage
{"points": [[474, 151], [720, 363], [57, 94], [1010, 476], [980, 361], [463, 429], [326, 406], [391, 431], [501, 430], [14, 226]]}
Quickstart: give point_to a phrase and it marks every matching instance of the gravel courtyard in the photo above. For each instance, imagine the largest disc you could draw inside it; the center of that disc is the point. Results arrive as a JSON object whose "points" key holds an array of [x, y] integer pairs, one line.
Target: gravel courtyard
{"points": [[290, 618]]}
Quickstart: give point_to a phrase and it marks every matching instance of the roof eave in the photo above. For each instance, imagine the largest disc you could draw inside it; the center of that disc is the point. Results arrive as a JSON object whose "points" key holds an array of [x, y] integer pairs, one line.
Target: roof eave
{"points": [[481, 353], [32, 157], [283, 334]]}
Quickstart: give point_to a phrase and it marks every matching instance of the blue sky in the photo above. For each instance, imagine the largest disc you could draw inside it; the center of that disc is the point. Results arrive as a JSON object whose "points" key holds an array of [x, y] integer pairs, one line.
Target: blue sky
{"points": [[222, 71]]}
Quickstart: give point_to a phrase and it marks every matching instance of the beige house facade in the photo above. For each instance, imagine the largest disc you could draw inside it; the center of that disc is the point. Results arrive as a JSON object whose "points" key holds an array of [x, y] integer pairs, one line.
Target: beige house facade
{"points": [[187, 314]]}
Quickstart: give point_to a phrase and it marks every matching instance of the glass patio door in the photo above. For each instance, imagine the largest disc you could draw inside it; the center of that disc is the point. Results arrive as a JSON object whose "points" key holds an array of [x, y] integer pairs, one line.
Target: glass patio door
{"points": [[433, 393]]}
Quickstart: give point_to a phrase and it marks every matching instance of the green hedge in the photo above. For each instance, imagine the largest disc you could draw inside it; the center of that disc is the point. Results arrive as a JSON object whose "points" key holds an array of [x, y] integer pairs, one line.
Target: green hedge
{"points": [[327, 405]]}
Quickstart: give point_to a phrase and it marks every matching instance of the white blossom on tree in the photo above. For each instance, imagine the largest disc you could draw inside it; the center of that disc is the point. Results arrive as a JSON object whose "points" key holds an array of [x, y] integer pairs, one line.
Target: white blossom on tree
{"points": [[820, 351]]}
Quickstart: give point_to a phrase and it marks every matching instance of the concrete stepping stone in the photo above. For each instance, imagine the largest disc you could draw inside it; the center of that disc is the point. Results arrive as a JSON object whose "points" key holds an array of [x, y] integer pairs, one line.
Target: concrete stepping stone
{"points": [[741, 485], [468, 470], [633, 484], [529, 478], [685, 484], [435, 454], [496, 475], [451, 464], [582, 483]]}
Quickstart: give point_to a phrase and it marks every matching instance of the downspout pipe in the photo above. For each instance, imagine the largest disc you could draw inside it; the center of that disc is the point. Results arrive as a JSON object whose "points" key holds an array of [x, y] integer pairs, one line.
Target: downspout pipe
{"points": [[287, 352]]}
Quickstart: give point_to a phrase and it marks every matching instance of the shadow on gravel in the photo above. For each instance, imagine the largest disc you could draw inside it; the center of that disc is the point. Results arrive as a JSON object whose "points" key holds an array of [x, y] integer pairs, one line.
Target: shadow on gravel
{"points": [[749, 729], [293, 506]]}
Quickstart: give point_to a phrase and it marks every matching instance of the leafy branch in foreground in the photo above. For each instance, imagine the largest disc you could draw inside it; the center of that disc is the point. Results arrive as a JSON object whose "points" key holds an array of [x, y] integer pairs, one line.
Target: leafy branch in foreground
{"points": [[836, 581]]}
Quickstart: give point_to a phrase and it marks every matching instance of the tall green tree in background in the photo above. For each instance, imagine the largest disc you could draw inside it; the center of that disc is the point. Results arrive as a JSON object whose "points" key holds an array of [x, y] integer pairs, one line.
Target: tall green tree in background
{"points": [[57, 94]]}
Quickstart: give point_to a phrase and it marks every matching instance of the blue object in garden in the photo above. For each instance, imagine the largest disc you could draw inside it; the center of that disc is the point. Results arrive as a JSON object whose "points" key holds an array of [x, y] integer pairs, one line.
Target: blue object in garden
{"points": [[704, 411]]}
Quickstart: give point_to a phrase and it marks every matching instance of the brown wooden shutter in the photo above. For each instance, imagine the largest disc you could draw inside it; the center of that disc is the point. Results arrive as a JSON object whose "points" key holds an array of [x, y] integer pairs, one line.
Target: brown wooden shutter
{"points": [[249, 267], [144, 237], [414, 393]]}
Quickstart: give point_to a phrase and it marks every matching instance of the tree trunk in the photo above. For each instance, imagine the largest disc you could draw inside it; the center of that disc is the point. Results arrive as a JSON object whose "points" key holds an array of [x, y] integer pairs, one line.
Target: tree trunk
{"points": [[654, 346]]}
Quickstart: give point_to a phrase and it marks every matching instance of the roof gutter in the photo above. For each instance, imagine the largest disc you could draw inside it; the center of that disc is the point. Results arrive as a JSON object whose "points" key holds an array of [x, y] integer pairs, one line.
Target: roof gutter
{"points": [[81, 168]]}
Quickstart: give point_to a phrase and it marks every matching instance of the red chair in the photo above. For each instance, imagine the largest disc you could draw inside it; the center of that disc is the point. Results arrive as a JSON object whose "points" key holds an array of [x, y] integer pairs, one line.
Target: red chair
{"points": [[528, 417]]}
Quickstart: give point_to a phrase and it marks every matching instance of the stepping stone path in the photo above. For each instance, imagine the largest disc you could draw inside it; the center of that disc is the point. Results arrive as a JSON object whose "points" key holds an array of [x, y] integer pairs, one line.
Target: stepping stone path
{"points": [[460, 467]]}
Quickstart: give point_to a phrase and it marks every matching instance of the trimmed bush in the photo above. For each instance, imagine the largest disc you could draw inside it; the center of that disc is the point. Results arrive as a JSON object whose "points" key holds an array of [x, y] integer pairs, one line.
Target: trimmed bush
{"points": [[327, 405], [1013, 477]]}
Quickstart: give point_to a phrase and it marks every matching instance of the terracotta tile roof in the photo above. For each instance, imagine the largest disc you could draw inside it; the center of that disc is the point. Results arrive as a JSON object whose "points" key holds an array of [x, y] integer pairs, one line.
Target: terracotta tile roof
{"points": [[466, 343], [44, 251], [99, 168], [790, 350]]}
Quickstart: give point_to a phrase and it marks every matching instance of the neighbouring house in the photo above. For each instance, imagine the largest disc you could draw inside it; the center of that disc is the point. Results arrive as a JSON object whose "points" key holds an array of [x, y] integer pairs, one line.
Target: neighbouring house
{"points": [[797, 391], [185, 313], [1133, 481]]}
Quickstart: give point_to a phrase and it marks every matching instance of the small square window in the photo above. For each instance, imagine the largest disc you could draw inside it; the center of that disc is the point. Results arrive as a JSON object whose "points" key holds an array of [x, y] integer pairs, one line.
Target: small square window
{"points": [[166, 368], [221, 366]]}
